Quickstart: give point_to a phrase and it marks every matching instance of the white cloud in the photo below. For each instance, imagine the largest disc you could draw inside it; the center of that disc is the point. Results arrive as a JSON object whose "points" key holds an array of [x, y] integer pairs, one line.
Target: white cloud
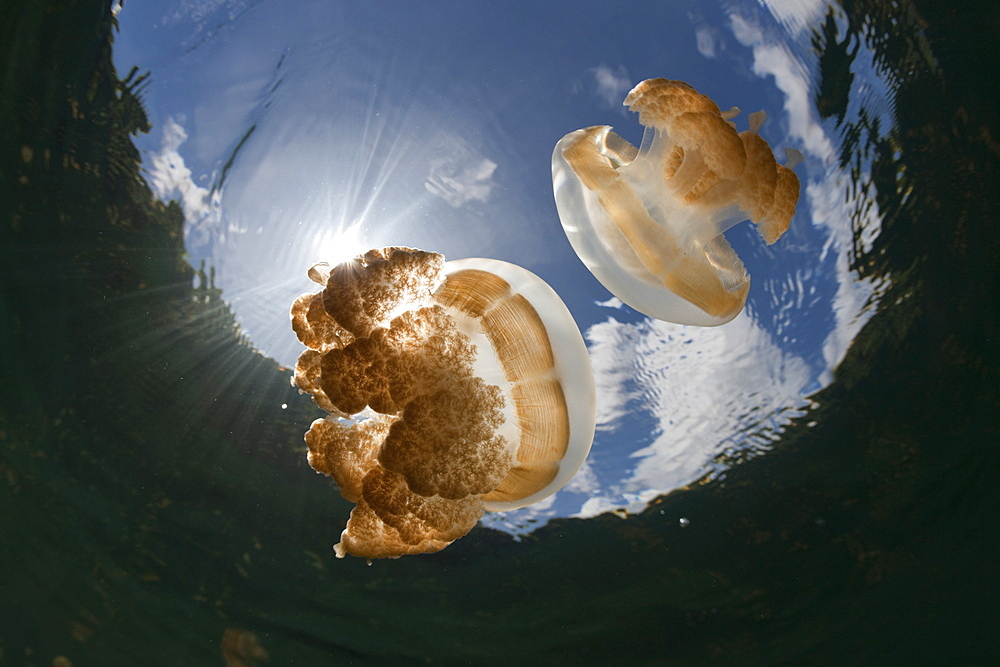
{"points": [[170, 178], [613, 302], [830, 196], [585, 481], [611, 84], [832, 202], [707, 41], [745, 32], [458, 174], [612, 349], [797, 16], [706, 390], [203, 13], [792, 78]]}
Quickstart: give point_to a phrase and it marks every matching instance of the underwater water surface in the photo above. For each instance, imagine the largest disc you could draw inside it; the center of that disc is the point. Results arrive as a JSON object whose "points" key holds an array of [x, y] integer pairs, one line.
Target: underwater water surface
{"points": [[812, 482], [292, 137]]}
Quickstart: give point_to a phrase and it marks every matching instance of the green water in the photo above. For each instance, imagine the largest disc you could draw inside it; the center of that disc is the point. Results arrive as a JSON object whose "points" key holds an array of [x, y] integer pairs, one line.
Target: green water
{"points": [[153, 484]]}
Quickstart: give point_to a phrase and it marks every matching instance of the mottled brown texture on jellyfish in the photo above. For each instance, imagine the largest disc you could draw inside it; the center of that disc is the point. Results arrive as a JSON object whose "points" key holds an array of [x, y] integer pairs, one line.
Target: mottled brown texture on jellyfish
{"points": [[424, 351], [659, 101], [313, 325], [384, 367], [346, 451], [713, 151], [415, 517], [307, 375], [364, 293], [420, 351], [660, 104], [643, 87], [786, 198], [357, 377], [428, 440], [755, 186], [367, 536], [657, 248], [446, 443]]}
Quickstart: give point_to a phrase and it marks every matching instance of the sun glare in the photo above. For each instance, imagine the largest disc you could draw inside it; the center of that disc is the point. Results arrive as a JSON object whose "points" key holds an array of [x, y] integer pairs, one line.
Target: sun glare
{"points": [[339, 245]]}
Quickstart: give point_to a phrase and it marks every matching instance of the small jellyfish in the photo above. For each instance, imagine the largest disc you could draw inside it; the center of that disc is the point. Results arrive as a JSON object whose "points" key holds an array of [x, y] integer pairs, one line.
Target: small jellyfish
{"points": [[649, 222], [453, 389], [242, 648]]}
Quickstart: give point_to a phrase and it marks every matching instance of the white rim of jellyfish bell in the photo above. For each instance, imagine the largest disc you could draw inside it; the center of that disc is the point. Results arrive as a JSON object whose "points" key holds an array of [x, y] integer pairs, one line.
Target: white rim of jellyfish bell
{"points": [[572, 368]]}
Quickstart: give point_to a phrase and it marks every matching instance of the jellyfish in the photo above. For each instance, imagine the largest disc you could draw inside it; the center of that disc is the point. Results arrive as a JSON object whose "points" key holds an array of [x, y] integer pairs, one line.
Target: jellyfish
{"points": [[453, 389], [649, 222]]}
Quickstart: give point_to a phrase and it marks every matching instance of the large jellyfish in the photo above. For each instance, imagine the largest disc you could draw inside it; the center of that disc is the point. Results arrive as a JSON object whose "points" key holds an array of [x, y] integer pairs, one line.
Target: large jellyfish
{"points": [[446, 388], [649, 222]]}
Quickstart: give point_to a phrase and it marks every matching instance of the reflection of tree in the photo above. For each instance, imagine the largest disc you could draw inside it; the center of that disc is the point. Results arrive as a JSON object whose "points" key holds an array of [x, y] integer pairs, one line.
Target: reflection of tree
{"points": [[836, 77], [155, 493], [134, 414], [933, 176]]}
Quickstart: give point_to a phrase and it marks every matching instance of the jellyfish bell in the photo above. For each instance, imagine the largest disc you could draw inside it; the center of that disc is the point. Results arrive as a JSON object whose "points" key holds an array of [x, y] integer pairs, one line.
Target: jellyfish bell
{"points": [[453, 389], [649, 222], [540, 352]]}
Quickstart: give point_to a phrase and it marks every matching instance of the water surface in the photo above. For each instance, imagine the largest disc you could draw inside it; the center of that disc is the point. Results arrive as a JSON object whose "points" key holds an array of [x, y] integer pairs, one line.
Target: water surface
{"points": [[157, 503]]}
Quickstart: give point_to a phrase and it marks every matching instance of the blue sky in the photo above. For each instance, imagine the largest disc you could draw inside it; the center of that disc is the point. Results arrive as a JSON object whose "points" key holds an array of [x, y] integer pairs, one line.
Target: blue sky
{"points": [[296, 132]]}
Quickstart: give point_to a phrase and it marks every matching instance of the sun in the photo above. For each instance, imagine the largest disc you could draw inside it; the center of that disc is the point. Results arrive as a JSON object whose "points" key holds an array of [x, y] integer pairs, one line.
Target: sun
{"points": [[341, 244]]}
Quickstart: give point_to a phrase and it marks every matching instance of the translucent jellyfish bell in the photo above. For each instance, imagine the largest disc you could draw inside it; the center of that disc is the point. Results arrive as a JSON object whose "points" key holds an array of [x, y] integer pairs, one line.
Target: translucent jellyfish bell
{"points": [[454, 388], [648, 222]]}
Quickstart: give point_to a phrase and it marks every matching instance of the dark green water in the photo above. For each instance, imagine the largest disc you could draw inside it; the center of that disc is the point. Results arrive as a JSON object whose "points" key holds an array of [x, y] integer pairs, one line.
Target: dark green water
{"points": [[154, 493]]}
